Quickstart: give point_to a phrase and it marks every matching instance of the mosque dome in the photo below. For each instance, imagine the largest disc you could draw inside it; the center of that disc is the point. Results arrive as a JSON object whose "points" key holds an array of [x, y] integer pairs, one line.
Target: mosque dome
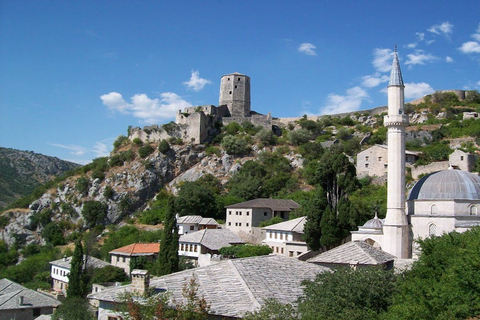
{"points": [[374, 223], [447, 185]]}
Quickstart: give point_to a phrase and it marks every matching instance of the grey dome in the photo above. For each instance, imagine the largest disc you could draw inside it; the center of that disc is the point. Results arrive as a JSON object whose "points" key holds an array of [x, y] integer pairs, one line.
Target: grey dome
{"points": [[374, 223], [447, 185]]}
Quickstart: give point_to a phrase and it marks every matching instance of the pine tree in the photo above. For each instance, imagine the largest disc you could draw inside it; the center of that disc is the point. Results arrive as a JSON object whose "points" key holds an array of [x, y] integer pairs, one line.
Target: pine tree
{"points": [[77, 288], [168, 256]]}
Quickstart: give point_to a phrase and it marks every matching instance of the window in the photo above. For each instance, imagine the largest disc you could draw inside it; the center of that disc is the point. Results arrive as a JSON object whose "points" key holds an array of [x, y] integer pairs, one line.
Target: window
{"points": [[229, 212], [275, 235], [235, 87], [228, 79], [182, 247], [385, 166], [366, 165], [247, 224], [281, 237], [238, 79], [276, 249], [434, 209], [239, 224], [432, 230], [264, 214], [230, 92], [248, 213], [36, 312], [461, 158], [379, 158], [366, 158], [281, 250], [290, 253], [229, 223], [191, 227], [195, 248], [473, 210]]}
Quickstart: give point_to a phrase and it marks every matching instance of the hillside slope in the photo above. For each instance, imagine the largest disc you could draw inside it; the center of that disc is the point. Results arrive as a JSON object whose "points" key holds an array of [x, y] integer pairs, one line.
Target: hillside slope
{"points": [[23, 171]]}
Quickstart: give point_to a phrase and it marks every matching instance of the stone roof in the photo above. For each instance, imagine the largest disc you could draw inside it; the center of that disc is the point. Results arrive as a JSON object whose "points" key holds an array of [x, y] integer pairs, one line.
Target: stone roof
{"points": [[235, 287], [138, 249], [92, 262], [353, 252], [212, 239], [274, 204], [447, 185], [10, 293], [197, 220], [294, 225]]}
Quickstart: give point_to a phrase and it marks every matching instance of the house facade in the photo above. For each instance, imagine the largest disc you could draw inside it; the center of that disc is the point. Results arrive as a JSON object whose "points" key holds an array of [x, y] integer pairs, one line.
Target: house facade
{"points": [[60, 270], [200, 246], [20, 303], [121, 257], [243, 217], [190, 223], [286, 238]]}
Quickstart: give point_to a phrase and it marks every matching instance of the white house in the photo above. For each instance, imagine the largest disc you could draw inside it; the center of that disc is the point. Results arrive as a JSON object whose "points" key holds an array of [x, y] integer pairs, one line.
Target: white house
{"points": [[189, 224], [285, 238], [201, 245], [60, 269]]}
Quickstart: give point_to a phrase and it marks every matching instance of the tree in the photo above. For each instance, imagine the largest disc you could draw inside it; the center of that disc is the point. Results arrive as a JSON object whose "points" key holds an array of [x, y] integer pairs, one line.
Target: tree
{"points": [[109, 274], [94, 213], [364, 293], [314, 211], [77, 286], [164, 146], [196, 197], [168, 256], [73, 309], [274, 310], [234, 145], [445, 281]]}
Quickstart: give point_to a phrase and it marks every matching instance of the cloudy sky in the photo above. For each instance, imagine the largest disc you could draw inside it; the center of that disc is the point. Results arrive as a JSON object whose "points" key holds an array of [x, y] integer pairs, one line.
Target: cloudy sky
{"points": [[75, 74]]}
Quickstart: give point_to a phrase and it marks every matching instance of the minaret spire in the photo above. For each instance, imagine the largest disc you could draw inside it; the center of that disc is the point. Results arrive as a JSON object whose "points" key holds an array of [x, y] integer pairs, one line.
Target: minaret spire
{"points": [[395, 228]]}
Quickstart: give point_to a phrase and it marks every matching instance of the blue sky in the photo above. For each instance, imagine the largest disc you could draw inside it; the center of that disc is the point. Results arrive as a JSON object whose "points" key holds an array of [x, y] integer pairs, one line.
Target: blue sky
{"points": [[75, 74]]}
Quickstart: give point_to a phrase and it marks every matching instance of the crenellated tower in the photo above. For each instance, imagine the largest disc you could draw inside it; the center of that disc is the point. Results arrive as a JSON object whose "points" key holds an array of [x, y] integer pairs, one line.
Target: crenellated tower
{"points": [[395, 229]]}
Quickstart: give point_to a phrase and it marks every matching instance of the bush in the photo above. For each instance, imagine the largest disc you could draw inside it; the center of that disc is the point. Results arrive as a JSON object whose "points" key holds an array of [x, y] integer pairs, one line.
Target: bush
{"points": [[120, 140], [82, 185], [164, 146], [244, 251], [138, 142], [266, 137], [146, 150], [108, 192], [94, 212], [300, 136], [234, 145]]}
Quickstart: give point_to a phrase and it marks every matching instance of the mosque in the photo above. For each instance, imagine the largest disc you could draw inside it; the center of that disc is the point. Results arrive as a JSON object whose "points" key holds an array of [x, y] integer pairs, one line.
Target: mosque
{"points": [[440, 202]]}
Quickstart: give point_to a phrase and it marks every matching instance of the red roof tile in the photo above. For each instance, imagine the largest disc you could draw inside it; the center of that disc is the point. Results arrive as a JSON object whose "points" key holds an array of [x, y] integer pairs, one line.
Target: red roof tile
{"points": [[138, 249]]}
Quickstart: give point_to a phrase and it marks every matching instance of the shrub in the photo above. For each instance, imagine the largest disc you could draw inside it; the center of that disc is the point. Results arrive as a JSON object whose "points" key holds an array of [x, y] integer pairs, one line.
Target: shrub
{"points": [[108, 192], [146, 150], [164, 146], [82, 185], [120, 140], [300, 136], [138, 142], [234, 145]]}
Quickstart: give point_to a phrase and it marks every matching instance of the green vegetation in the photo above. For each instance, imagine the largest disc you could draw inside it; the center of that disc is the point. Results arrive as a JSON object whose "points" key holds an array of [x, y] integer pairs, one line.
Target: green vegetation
{"points": [[167, 261], [245, 250], [164, 146], [77, 284]]}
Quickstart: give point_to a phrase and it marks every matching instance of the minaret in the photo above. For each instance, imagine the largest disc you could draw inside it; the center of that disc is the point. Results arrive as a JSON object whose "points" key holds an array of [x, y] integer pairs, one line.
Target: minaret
{"points": [[395, 228]]}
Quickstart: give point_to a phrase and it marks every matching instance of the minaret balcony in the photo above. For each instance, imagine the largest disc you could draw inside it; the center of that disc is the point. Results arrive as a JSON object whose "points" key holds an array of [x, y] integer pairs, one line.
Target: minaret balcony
{"points": [[397, 120]]}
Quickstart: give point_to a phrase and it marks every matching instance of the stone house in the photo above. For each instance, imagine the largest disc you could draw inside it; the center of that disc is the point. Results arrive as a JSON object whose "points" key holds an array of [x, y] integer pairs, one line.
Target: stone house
{"points": [[374, 161], [189, 224], [200, 246], [60, 269], [20, 303], [121, 257], [286, 238], [462, 160], [242, 218], [231, 287]]}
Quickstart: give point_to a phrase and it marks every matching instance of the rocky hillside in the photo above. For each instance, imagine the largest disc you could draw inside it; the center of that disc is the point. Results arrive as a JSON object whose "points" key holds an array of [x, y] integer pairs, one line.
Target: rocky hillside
{"points": [[113, 189], [23, 171]]}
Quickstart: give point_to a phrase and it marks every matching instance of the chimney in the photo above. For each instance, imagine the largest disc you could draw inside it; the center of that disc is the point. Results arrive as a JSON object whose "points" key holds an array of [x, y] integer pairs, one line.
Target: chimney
{"points": [[140, 281], [20, 300]]}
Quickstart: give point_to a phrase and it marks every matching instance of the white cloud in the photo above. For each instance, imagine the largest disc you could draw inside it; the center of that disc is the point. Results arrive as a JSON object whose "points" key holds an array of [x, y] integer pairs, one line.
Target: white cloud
{"points": [[419, 57], [308, 49], [374, 80], [417, 90], [142, 107], [351, 101], [382, 59], [445, 29], [74, 149], [470, 47], [100, 149], [449, 59], [196, 83], [420, 38], [476, 35]]}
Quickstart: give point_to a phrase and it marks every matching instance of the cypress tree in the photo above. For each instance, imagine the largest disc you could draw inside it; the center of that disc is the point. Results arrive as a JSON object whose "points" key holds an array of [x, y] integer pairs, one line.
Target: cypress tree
{"points": [[168, 255], [77, 287], [314, 211]]}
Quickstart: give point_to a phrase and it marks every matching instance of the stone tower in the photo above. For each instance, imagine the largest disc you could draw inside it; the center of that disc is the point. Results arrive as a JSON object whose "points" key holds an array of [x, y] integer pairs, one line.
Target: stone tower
{"points": [[395, 228], [235, 94]]}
